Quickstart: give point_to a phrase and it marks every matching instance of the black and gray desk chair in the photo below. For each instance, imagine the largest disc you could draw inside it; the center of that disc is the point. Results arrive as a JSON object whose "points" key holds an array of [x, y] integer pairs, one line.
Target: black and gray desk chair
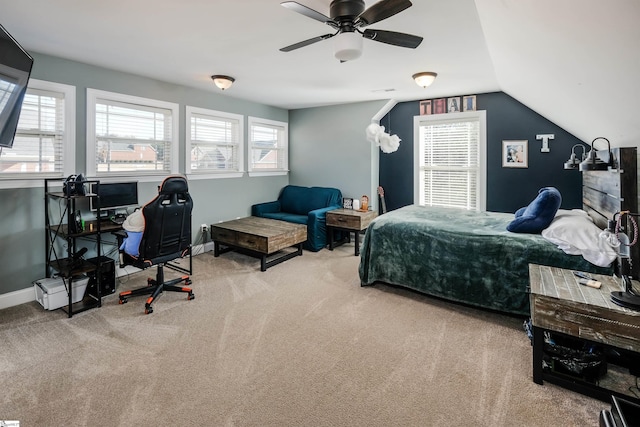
{"points": [[166, 237]]}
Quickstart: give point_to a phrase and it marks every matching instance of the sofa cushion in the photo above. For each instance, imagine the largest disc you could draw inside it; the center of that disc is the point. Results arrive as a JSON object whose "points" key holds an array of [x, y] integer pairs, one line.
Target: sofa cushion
{"points": [[286, 216], [538, 214], [302, 200]]}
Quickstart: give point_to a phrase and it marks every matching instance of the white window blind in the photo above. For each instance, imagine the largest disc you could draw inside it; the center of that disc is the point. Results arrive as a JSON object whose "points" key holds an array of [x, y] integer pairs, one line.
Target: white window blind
{"points": [[450, 161], [6, 90], [129, 135], [214, 142], [39, 146], [268, 142]]}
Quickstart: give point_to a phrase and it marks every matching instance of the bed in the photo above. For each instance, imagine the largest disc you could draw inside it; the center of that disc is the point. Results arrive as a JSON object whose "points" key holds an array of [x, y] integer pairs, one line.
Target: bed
{"points": [[470, 257]]}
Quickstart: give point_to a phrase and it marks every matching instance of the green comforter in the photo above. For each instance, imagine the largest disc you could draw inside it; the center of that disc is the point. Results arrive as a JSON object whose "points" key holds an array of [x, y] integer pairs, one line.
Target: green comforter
{"points": [[459, 255]]}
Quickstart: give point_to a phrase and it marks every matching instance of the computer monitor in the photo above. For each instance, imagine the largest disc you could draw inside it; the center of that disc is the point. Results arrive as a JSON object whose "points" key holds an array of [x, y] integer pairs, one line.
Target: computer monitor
{"points": [[114, 196]]}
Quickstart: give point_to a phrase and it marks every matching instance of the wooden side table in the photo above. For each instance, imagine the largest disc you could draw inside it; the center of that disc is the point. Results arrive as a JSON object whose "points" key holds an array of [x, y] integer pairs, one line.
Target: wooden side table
{"points": [[560, 304], [348, 220]]}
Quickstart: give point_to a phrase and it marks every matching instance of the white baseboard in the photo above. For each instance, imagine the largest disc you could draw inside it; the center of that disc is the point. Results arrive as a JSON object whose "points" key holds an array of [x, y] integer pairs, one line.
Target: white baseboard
{"points": [[125, 271], [200, 249], [14, 298], [25, 295]]}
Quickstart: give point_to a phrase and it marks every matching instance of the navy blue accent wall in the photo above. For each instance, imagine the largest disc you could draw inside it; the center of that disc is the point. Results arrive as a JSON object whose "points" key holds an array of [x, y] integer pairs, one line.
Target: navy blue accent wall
{"points": [[508, 189]]}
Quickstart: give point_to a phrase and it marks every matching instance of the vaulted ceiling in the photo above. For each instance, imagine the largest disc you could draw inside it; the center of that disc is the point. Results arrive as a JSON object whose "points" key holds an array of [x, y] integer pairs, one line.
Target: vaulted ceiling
{"points": [[573, 61]]}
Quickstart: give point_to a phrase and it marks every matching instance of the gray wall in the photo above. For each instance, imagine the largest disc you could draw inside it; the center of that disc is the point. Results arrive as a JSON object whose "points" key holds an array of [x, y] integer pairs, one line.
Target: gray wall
{"points": [[22, 251], [329, 148]]}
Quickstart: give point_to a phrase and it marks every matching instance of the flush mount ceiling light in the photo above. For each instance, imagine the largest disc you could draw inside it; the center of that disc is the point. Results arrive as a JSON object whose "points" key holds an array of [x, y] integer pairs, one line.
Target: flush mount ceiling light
{"points": [[223, 82], [425, 78]]}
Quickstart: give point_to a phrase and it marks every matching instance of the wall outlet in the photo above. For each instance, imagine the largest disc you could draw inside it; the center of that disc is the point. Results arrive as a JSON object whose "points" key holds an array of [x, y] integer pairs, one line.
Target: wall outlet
{"points": [[204, 228]]}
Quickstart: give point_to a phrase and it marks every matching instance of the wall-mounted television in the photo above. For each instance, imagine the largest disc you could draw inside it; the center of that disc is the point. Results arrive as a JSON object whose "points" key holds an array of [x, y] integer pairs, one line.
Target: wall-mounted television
{"points": [[114, 196], [15, 69]]}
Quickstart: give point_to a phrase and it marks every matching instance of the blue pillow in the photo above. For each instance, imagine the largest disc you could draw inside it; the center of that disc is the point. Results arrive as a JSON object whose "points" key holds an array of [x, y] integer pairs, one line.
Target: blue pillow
{"points": [[539, 214], [131, 243]]}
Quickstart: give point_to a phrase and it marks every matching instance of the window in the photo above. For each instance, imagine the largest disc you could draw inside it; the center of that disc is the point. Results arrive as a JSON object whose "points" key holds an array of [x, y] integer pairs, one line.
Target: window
{"points": [[214, 142], [450, 160], [128, 135], [44, 143], [268, 147]]}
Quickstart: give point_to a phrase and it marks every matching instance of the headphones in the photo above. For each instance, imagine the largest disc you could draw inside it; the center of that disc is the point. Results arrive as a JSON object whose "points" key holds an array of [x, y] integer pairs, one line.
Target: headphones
{"points": [[74, 185]]}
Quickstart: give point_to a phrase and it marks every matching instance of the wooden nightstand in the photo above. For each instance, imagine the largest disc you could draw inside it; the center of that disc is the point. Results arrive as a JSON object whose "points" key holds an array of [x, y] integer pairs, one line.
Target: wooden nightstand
{"points": [[562, 306], [348, 220]]}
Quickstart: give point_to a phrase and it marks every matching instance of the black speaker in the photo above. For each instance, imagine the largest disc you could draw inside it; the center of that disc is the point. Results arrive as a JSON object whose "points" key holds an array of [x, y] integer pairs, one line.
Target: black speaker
{"points": [[75, 226], [107, 273]]}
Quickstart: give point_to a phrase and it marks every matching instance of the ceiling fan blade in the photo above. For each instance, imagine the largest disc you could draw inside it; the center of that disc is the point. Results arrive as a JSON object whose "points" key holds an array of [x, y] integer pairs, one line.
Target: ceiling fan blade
{"points": [[306, 43], [394, 38], [382, 10], [304, 10]]}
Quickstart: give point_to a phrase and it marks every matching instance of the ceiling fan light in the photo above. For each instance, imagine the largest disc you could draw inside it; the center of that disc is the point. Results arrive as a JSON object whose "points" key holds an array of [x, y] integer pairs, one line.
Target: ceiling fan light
{"points": [[348, 46], [425, 78], [223, 82]]}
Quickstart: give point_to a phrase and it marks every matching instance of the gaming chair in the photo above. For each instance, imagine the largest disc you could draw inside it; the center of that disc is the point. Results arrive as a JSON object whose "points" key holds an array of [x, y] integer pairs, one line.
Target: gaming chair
{"points": [[166, 236]]}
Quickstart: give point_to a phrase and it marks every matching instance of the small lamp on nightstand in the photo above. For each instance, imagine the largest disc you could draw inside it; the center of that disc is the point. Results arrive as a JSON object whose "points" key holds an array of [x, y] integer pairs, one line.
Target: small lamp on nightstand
{"points": [[628, 297], [364, 203]]}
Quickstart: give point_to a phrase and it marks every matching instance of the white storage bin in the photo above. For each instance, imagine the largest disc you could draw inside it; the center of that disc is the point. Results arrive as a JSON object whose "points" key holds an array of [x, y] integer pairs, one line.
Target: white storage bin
{"points": [[51, 293]]}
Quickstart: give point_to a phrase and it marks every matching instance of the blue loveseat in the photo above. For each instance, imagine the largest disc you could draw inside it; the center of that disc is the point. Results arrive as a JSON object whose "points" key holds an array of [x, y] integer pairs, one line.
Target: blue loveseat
{"points": [[303, 205]]}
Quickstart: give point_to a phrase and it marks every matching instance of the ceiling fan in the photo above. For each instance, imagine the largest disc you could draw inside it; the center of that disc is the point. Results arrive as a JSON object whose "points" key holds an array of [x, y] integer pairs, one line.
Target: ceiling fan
{"points": [[347, 17]]}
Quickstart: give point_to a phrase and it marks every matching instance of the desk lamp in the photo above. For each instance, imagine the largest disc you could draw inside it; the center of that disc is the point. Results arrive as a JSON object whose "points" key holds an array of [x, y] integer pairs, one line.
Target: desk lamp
{"points": [[627, 298]]}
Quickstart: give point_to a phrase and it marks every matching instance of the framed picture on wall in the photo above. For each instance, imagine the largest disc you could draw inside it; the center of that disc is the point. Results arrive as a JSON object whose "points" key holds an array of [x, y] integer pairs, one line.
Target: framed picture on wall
{"points": [[515, 153], [425, 107], [439, 106], [453, 105], [469, 103]]}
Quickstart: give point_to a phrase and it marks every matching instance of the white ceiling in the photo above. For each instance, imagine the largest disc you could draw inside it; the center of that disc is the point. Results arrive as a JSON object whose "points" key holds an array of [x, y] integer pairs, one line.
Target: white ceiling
{"points": [[573, 61]]}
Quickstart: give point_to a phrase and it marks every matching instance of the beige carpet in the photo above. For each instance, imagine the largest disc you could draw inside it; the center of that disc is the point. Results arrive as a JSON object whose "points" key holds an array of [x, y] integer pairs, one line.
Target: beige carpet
{"points": [[301, 344]]}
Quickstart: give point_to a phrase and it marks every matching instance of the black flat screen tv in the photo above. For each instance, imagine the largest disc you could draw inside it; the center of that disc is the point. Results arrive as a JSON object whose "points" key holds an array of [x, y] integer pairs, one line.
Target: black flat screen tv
{"points": [[15, 70]]}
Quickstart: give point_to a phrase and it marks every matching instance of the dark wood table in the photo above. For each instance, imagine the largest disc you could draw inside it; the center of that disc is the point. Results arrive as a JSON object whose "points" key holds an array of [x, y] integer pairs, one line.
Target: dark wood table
{"points": [[260, 237], [560, 304], [348, 220]]}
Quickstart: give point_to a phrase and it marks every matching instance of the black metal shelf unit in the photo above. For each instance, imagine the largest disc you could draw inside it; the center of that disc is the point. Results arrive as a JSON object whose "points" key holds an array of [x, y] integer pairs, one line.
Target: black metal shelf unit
{"points": [[63, 231]]}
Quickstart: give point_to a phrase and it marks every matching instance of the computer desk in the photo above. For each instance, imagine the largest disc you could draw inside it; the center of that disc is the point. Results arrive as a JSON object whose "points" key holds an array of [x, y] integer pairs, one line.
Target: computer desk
{"points": [[106, 226]]}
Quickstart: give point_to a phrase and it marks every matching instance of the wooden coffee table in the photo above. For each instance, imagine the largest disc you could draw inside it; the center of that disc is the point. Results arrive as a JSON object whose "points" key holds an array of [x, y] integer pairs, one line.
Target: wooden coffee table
{"points": [[259, 237]]}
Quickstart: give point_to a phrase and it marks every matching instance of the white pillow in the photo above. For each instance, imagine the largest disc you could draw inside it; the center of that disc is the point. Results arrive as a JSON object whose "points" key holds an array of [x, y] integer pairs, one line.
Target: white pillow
{"points": [[575, 233]]}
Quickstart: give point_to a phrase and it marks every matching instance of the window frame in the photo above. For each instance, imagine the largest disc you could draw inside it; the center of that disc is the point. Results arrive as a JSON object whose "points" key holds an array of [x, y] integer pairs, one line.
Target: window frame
{"points": [[31, 180], [251, 121], [227, 173], [92, 97], [481, 116]]}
